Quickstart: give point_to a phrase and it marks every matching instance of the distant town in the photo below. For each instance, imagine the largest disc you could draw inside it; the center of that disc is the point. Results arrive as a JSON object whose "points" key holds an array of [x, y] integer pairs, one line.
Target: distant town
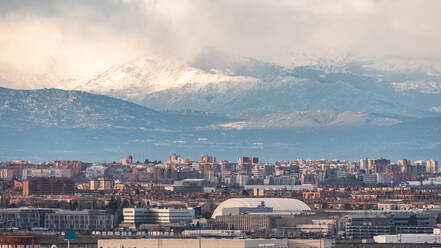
{"points": [[372, 199]]}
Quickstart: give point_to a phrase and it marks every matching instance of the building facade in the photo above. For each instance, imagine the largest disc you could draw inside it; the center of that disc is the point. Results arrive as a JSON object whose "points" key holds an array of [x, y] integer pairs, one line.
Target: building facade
{"points": [[133, 217], [79, 220], [48, 186]]}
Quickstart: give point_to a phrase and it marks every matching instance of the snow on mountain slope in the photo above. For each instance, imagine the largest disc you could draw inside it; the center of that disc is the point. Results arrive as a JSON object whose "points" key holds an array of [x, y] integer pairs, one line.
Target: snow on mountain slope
{"points": [[429, 66], [144, 76], [319, 118], [224, 85], [423, 86]]}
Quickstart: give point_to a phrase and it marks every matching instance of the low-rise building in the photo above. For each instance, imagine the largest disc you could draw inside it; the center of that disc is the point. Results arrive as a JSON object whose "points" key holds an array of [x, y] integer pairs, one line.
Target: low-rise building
{"points": [[133, 217], [225, 243], [79, 220], [22, 218]]}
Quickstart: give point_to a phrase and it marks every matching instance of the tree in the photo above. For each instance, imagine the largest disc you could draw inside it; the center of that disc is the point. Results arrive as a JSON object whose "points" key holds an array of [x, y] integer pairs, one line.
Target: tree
{"points": [[113, 204], [74, 205], [413, 220]]}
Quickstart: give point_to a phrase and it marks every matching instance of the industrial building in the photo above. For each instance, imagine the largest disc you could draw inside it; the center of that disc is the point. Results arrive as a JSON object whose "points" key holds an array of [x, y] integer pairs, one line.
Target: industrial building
{"points": [[279, 205], [215, 243]]}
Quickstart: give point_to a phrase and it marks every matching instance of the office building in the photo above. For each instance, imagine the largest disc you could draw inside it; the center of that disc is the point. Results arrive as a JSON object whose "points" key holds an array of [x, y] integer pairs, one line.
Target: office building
{"points": [[22, 218], [85, 220], [133, 217]]}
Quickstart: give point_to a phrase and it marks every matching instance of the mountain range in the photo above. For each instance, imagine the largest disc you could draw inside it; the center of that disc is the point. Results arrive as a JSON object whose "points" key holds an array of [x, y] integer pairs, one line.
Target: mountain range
{"points": [[246, 85], [51, 124], [227, 107]]}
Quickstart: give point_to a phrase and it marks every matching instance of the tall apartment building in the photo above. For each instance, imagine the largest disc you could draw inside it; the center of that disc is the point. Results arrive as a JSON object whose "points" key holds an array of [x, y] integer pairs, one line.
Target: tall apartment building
{"points": [[247, 160], [363, 164], [432, 166], [48, 186], [377, 165], [137, 216], [208, 159], [405, 165]]}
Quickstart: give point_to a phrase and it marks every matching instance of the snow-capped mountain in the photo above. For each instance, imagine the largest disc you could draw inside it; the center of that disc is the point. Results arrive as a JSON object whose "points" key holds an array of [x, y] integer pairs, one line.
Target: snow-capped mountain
{"points": [[145, 76], [225, 85]]}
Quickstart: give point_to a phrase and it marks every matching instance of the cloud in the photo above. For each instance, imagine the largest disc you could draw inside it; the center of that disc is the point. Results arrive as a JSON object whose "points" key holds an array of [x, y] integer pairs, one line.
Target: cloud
{"points": [[50, 43]]}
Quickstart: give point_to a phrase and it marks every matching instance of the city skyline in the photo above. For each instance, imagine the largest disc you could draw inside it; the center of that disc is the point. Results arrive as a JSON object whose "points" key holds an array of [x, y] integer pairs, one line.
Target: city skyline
{"points": [[231, 123]]}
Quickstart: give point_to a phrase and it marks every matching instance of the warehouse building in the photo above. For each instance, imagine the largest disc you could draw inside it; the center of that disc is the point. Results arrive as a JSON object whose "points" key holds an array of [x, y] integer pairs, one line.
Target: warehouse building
{"points": [[215, 243]]}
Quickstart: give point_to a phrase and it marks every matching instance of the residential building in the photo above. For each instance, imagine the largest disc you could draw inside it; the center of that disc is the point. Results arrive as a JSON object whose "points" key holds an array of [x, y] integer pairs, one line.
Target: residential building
{"points": [[127, 161], [48, 186], [101, 184], [432, 166]]}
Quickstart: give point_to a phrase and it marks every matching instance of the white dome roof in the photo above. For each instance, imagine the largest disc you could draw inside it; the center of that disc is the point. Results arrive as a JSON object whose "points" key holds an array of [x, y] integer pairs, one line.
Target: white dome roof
{"points": [[277, 204]]}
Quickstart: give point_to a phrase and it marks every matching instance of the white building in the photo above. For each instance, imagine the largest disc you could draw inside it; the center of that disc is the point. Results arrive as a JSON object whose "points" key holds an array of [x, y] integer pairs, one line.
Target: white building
{"points": [[41, 172], [382, 178], [285, 205], [138, 216], [95, 171]]}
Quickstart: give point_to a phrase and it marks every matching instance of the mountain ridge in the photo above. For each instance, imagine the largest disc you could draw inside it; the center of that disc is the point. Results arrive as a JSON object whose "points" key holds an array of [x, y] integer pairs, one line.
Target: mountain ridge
{"points": [[249, 85]]}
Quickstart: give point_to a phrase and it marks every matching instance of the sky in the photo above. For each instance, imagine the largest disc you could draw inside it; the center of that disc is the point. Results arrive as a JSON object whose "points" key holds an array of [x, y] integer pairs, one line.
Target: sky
{"points": [[51, 43]]}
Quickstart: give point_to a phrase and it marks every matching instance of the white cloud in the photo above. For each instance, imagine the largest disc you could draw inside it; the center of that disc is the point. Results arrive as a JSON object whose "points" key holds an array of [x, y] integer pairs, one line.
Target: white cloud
{"points": [[60, 40]]}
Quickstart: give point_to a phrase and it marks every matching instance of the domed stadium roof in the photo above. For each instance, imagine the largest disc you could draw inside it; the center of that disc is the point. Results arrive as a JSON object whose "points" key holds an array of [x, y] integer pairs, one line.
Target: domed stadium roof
{"points": [[277, 204]]}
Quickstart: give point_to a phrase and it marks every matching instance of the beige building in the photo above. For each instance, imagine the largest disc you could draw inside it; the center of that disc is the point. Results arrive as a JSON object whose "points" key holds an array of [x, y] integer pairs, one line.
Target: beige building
{"points": [[127, 161], [432, 166], [101, 184], [245, 222], [214, 243]]}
